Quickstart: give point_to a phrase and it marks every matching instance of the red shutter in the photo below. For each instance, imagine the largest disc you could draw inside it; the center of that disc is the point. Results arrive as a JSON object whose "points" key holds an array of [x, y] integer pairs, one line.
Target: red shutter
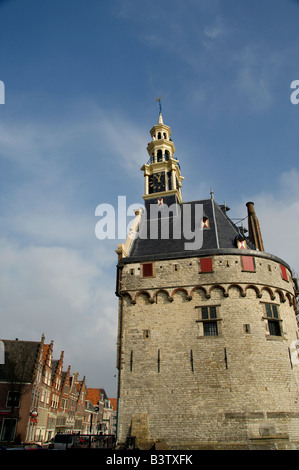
{"points": [[206, 265], [147, 270], [248, 263], [284, 272]]}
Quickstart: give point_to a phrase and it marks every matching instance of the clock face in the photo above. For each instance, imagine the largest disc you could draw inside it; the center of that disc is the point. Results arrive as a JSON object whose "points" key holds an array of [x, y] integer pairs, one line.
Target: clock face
{"points": [[157, 182]]}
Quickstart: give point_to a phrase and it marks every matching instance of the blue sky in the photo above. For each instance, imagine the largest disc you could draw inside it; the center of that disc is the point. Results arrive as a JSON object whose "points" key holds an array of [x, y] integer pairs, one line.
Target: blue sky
{"points": [[81, 79]]}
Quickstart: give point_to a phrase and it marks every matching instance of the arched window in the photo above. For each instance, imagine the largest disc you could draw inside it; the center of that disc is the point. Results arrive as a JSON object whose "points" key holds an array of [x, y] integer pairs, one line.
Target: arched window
{"points": [[159, 155]]}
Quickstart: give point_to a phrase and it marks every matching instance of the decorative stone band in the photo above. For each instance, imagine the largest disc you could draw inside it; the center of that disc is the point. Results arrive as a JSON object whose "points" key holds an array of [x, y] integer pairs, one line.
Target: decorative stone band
{"points": [[152, 293]]}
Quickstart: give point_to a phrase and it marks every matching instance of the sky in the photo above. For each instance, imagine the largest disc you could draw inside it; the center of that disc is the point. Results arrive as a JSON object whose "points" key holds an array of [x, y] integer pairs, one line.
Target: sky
{"points": [[81, 79]]}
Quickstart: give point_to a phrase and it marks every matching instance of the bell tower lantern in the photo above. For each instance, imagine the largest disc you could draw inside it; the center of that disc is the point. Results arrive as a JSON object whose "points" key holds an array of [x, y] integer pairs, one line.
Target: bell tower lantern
{"points": [[162, 171]]}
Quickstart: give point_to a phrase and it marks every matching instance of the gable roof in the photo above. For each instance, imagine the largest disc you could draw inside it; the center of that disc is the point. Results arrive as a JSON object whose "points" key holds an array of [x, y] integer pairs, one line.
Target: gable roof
{"points": [[113, 402], [93, 395]]}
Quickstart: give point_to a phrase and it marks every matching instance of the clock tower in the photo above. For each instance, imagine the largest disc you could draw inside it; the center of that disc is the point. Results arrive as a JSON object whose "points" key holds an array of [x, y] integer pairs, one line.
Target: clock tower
{"points": [[162, 172], [208, 341]]}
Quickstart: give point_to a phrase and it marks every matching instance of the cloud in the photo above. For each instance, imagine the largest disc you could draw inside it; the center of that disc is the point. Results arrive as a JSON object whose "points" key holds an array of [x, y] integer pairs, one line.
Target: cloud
{"points": [[56, 277], [278, 214], [215, 29], [256, 69], [64, 294]]}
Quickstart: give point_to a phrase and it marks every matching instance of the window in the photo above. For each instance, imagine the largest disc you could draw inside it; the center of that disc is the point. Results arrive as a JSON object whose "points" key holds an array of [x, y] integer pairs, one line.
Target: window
{"points": [[13, 399], [248, 263], [147, 270], [241, 244], [210, 328], [273, 319], [284, 273], [206, 265], [209, 315], [205, 222], [146, 334], [8, 429]]}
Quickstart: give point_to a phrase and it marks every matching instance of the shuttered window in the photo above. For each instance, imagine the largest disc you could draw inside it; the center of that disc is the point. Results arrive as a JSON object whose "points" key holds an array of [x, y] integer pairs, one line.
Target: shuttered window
{"points": [[248, 263], [147, 270], [284, 273], [206, 265]]}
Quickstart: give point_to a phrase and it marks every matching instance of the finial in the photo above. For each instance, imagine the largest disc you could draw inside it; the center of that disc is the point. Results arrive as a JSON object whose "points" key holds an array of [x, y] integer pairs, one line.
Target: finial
{"points": [[212, 193]]}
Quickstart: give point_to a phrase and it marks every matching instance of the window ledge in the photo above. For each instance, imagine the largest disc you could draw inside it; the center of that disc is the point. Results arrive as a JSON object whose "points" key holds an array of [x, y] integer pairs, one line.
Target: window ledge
{"points": [[274, 338], [208, 320], [210, 336]]}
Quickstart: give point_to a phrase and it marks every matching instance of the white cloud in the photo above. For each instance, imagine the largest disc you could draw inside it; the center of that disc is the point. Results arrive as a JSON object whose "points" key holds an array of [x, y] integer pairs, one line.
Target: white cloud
{"points": [[278, 214], [64, 294], [215, 29], [256, 71], [56, 277]]}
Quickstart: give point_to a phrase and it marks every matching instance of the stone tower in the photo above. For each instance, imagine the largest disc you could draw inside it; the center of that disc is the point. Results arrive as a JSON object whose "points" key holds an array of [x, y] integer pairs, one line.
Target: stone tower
{"points": [[207, 331]]}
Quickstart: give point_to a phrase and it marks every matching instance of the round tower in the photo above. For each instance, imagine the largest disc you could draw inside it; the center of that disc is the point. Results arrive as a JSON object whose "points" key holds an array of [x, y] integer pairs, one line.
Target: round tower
{"points": [[207, 337]]}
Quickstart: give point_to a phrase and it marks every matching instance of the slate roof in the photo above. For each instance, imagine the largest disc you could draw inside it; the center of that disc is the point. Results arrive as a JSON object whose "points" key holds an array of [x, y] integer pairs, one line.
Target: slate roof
{"points": [[220, 236], [20, 360]]}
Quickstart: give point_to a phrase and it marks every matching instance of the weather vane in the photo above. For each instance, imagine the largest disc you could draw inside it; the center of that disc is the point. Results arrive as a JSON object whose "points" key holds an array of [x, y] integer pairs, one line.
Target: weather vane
{"points": [[160, 107]]}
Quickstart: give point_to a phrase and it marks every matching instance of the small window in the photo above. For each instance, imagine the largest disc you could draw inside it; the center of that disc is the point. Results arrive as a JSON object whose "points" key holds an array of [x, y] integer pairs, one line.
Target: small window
{"points": [[274, 328], [146, 334], [273, 319], [13, 399], [241, 244], [208, 314], [147, 270], [210, 328], [284, 273], [205, 222], [206, 265], [248, 263]]}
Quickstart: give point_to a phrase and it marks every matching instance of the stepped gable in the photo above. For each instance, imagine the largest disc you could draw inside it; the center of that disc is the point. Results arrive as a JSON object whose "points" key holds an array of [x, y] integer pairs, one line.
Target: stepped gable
{"points": [[20, 359]]}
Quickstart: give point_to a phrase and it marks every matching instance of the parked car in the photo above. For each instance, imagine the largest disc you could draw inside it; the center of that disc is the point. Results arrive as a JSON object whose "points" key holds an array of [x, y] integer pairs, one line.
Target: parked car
{"points": [[66, 441]]}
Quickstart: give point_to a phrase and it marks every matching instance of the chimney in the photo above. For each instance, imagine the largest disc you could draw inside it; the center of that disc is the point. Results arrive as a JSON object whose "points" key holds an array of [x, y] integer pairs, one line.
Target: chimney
{"points": [[255, 235]]}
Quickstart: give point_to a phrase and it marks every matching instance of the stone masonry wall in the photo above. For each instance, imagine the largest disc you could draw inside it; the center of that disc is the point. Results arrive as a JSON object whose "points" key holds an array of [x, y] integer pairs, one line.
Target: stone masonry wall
{"points": [[238, 389]]}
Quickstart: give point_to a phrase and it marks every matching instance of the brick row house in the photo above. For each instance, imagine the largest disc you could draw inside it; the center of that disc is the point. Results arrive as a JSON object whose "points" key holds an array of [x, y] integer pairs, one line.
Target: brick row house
{"points": [[39, 399]]}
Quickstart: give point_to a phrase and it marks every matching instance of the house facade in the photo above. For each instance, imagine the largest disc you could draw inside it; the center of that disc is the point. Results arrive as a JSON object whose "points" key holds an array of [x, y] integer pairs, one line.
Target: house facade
{"points": [[38, 398]]}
